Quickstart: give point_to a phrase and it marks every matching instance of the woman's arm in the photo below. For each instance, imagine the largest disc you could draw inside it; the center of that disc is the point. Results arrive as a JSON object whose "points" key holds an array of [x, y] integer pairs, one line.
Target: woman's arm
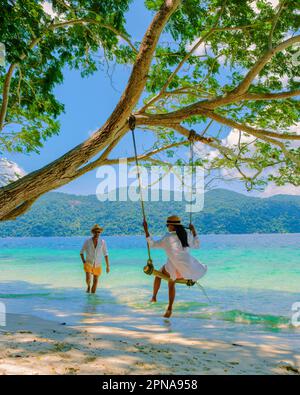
{"points": [[154, 244], [194, 241]]}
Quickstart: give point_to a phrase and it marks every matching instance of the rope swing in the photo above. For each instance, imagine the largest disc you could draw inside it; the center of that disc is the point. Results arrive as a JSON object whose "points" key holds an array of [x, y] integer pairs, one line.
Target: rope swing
{"points": [[149, 268]]}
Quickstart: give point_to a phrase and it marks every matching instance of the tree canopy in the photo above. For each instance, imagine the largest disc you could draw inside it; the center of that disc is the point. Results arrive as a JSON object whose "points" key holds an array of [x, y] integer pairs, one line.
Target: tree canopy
{"points": [[201, 63]]}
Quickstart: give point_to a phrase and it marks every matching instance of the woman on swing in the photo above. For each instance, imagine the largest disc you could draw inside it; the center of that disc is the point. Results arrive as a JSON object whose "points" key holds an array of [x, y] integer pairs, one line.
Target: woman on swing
{"points": [[180, 263]]}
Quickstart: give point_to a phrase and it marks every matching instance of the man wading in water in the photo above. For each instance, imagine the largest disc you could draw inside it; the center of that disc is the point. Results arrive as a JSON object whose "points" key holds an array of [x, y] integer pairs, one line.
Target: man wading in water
{"points": [[94, 248]]}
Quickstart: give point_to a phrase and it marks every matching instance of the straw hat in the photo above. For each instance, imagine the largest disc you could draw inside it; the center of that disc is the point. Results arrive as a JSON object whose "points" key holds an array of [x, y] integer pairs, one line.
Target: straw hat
{"points": [[174, 220], [96, 227]]}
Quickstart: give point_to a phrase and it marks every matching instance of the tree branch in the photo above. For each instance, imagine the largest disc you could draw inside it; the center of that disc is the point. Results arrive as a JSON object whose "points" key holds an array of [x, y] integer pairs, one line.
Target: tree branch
{"points": [[5, 94], [208, 141], [7, 83], [255, 132], [275, 20], [147, 155], [271, 96], [185, 58], [21, 209], [175, 117], [34, 42], [260, 64], [65, 168], [102, 157], [270, 137], [82, 21]]}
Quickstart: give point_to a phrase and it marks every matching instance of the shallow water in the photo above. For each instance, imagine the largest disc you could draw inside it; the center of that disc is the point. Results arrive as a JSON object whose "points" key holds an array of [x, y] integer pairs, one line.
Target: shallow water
{"points": [[252, 282]]}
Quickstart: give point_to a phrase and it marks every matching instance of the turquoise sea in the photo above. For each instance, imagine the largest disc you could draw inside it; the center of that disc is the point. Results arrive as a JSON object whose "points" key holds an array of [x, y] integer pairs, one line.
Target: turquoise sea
{"points": [[252, 282]]}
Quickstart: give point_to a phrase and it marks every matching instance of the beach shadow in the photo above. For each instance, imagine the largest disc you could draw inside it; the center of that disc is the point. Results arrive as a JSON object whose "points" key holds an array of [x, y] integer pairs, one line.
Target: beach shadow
{"points": [[69, 332]]}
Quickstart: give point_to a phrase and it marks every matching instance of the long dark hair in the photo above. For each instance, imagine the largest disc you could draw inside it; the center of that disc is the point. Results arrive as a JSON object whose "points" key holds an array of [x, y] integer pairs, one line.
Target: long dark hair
{"points": [[182, 235]]}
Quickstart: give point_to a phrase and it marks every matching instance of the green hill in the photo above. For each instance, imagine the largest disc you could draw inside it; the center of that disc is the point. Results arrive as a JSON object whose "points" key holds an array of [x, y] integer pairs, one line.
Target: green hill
{"points": [[59, 214]]}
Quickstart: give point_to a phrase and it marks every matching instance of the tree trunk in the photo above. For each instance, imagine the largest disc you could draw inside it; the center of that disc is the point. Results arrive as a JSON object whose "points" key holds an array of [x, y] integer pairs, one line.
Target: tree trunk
{"points": [[19, 195]]}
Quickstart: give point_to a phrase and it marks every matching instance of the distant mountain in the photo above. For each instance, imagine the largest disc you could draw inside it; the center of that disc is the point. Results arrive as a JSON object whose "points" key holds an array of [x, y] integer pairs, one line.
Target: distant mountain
{"points": [[59, 214]]}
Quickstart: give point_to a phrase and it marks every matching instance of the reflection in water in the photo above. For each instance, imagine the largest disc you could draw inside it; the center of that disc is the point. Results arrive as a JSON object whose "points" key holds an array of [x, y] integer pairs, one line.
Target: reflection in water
{"points": [[167, 323], [91, 304]]}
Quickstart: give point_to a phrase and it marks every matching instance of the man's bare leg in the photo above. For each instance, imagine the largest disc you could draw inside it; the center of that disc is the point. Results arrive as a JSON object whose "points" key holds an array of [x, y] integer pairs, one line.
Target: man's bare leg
{"points": [[88, 282], [172, 292], [95, 283]]}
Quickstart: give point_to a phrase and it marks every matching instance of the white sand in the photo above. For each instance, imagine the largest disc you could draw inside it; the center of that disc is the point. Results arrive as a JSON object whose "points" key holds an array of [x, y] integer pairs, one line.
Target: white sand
{"points": [[30, 345]]}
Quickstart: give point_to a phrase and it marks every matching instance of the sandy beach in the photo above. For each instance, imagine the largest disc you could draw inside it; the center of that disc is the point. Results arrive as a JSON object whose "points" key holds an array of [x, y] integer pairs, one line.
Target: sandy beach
{"points": [[31, 345], [54, 327]]}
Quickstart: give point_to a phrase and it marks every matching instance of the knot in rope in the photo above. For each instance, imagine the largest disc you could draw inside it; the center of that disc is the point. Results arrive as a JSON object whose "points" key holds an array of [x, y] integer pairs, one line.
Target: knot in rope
{"points": [[132, 122], [192, 135]]}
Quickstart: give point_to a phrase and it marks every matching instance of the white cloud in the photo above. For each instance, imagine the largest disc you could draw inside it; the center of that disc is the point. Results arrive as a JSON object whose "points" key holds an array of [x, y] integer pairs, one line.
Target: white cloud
{"points": [[231, 141], [273, 189], [47, 7], [205, 49], [295, 129], [9, 171], [202, 50], [252, 47], [283, 79], [234, 136]]}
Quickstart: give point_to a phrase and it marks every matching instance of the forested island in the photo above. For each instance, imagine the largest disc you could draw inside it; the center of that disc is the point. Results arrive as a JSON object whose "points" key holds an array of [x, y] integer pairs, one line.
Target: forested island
{"points": [[225, 211]]}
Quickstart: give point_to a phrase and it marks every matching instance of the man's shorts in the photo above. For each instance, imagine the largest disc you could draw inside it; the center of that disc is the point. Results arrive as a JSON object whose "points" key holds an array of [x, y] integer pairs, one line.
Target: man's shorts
{"points": [[95, 270]]}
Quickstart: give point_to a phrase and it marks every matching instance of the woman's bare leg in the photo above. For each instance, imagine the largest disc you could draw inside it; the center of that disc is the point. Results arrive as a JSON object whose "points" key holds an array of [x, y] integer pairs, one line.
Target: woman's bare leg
{"points": [[172, 293], [88, 282], [156, 286], [95, 283]]}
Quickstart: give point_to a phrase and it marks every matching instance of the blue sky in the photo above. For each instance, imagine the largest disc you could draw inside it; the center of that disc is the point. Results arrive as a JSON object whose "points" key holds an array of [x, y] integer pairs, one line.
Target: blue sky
{"points": [[88, 103]]}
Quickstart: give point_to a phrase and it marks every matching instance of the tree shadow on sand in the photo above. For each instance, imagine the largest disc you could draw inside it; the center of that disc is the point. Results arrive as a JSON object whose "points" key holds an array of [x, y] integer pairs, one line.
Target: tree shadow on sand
{"points": [[70, 332]]}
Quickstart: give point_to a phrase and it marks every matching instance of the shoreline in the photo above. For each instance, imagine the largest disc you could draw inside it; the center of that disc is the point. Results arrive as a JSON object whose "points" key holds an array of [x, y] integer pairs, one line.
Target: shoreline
{"points": [[31, 345], [155, 235]]}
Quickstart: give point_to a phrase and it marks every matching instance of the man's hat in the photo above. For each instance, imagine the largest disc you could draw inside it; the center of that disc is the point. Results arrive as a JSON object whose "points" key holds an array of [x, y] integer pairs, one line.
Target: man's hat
{"points": [[96, 227], [173, 220]]}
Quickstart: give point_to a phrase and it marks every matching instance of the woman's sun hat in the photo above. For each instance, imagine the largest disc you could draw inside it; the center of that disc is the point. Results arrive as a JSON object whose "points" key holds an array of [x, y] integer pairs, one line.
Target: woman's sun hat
{"points": [[173, 220], [96, 227]]}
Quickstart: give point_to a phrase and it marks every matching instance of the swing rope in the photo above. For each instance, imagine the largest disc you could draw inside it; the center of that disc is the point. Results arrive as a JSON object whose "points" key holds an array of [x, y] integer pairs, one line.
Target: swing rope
{"points": [[149, 268], [192, 140]]}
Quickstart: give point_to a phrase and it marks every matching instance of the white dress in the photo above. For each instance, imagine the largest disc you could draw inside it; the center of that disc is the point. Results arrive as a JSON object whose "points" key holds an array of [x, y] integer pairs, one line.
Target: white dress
{"points": [[180, 263]]}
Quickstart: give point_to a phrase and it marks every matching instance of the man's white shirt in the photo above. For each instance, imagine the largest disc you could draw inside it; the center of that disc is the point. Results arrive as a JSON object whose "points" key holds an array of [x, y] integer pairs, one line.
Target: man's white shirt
{"points": [[94, 255]]}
